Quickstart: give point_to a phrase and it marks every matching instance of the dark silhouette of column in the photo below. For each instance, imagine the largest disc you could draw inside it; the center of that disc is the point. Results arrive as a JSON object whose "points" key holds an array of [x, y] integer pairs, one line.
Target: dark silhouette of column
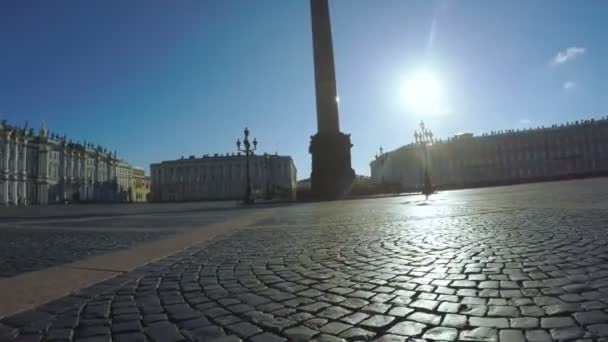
{"points": [[332, 174]]}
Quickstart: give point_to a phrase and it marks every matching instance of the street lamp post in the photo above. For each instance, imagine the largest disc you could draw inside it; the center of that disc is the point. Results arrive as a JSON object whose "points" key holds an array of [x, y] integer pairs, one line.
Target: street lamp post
{"points": [[248, 151], [424, 137]]}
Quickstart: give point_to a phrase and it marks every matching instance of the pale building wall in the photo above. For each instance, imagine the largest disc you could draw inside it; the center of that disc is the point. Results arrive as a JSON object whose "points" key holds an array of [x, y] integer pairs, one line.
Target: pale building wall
{"points": [[569, 150], [222, 178], [46, 168]]}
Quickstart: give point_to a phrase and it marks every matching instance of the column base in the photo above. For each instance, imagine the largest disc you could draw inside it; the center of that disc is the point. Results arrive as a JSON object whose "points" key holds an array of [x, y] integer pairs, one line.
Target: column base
{"points": [[332, 175]]}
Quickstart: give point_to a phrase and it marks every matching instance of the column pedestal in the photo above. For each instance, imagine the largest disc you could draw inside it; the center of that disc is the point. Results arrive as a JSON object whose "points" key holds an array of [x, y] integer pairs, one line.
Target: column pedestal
{"points": [[332, 175]]}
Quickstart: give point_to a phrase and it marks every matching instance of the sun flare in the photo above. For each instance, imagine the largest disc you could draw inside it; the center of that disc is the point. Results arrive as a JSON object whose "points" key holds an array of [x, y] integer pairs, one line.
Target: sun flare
{"points": [[421, 92]]}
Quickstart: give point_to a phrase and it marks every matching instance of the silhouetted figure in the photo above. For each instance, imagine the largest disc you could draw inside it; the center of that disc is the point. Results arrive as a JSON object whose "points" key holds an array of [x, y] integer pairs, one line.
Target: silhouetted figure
{"points": [[427, 189]]}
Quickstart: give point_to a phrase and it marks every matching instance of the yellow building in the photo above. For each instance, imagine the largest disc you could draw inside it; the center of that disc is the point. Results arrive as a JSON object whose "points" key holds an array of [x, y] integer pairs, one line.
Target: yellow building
{"points": [[140, 186]]}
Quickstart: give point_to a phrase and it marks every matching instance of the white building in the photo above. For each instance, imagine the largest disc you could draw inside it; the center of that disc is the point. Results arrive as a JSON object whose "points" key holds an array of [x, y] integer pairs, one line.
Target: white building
{"points": [[222, 178], [47, 168], [577, 149]]}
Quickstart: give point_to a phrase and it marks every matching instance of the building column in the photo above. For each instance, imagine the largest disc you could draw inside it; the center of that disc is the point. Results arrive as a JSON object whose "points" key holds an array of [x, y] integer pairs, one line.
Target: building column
{"points": [[64, 165], [16, 173], [71, 165], [78, 165], [7, 148], [72, 168], [5, 191], [24, 194], [43, 194], [4, 167]]}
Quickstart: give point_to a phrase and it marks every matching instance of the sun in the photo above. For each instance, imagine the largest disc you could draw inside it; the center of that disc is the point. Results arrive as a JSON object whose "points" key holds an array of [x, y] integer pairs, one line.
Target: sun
{"points": [[421, 92]]}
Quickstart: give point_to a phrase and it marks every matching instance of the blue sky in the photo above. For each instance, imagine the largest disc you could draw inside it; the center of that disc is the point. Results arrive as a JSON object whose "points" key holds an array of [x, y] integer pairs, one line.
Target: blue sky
{"points": [[160, 79]]}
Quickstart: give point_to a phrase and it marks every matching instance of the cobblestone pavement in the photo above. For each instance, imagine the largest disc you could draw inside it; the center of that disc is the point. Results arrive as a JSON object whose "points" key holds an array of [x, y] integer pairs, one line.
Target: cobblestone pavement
{"points": [[30, 244], [25, 250], [388, 269]]}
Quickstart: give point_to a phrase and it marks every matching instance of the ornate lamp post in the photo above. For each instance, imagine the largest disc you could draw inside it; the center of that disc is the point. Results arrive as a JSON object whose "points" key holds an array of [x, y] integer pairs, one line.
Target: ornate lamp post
{"points": [[248, 151], [424, 137]]}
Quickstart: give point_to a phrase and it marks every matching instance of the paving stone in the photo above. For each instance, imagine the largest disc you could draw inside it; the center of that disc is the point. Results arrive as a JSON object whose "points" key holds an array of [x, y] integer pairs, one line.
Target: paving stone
{"points": [[503, 311], [315, 323], [456, 321], [475, 310], [556, 322], [129, 337], [25, 338], [400, 311], [301, 316], [567, 333], [131, 326], [226, 320], [392, 338], [214, 312], [511, 336], [488, 285], [479, 334], [330, 298], [463, 283], [335, 328], [538, 336], [500, 323], [59, 334], [39, 327], [524, 322], [354, 303], [357, 334], [376, 308], [354, 318], [163, 331], [227, 338], [90, 331], [125, 318], [591, 317], [205, 333], [276, 323], [26, 317], [244, 329], [425, 318], [448, 307], [424, 304], [532, 310], [334, 312], [314, 307], [106, 338], [327, 338], [441, 334], [93, 322], [600, 330], [149, 319], [300, 333], [267, 337], [194, 323], [559, 309], [407, 328], [377, 321]]}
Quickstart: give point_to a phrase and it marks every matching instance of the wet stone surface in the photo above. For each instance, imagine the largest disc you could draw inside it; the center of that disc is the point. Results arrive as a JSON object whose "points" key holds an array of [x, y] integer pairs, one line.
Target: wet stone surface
{"points": [[358, 271]]}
